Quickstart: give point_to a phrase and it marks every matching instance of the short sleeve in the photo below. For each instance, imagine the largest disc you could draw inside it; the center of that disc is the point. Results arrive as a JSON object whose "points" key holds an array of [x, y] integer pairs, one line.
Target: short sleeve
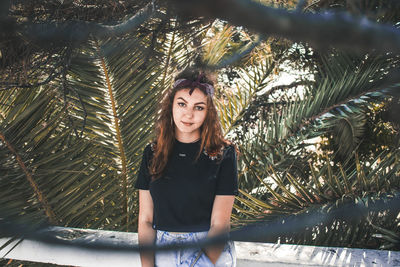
{"points": [[144, 177], [227, 183]]}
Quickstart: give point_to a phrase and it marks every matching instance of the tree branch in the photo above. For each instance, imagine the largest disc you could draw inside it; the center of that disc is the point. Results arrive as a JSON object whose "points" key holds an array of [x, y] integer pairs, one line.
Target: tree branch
{"points": [[323, 30], [262, 100], [41, 197], [132, 23], [80, 31]]}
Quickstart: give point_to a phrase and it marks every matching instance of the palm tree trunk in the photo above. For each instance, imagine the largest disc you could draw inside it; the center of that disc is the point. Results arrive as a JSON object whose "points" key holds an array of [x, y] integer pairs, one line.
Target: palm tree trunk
{"points": [[41, 197]]}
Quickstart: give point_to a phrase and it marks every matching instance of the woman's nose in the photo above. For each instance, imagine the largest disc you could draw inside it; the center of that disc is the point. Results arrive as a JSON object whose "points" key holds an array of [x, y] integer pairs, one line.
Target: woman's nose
{"points": [[189, 113]]}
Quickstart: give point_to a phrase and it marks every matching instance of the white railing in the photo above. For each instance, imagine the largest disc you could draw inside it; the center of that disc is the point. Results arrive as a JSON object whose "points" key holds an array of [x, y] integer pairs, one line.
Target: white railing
{"points": [[248, 254]]}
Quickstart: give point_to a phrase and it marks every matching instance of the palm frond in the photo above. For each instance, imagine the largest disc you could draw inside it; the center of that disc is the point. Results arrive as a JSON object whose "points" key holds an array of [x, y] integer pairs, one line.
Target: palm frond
{"points": [[72, 148], [328, 188], [232, 105]]}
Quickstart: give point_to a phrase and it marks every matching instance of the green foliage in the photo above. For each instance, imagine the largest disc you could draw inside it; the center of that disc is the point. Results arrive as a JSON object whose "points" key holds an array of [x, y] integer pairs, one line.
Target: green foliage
{"points": [[328, 188], [281, 174], [71, 148], [285, 166]]}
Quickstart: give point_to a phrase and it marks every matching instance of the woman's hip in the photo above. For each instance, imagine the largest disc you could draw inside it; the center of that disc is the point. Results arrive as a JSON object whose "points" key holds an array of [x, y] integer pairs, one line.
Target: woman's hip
{"points": [[190, 257]]}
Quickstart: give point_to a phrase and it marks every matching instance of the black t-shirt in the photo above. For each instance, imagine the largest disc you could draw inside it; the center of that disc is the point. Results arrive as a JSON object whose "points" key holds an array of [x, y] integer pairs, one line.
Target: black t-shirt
{"points": [[183, 197]]}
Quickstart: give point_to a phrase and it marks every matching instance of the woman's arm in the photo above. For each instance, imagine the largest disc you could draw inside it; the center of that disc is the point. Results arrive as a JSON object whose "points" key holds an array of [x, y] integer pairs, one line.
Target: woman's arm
{"points": [[146, 232], [220, 223]]}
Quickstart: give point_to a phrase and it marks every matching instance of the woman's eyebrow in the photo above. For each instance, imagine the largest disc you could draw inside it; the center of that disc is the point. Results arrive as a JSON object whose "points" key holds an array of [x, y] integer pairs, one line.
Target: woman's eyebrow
{"points": [[198, 103], [182, 99]]}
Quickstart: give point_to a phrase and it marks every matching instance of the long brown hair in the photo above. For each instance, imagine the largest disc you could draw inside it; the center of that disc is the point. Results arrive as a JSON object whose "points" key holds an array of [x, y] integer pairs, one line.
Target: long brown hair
{"points": [[210, 132]]}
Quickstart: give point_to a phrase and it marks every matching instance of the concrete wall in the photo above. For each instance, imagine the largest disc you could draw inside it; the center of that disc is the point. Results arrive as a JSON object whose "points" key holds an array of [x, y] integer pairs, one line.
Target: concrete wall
{"points": [[248, 254]]}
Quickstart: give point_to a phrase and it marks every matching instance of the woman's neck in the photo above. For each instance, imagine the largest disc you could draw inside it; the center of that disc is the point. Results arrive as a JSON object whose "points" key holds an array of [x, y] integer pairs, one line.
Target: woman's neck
{"points": [[190, 138]]}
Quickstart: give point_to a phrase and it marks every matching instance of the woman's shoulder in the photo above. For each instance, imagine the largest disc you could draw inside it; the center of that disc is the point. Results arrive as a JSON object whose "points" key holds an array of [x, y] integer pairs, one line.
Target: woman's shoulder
{"points": [[230, 150], [150, 148], [227, 149], [229, 146]]}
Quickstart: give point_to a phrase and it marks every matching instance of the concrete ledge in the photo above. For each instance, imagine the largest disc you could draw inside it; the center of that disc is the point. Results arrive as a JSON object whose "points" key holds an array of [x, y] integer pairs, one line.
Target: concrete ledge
{"points": [[266, 254], [29, 250], [248, 254]]}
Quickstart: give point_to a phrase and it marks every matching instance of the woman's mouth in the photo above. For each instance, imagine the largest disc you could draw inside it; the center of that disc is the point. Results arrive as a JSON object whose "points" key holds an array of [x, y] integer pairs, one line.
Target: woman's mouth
{"points": [[187, 123]]}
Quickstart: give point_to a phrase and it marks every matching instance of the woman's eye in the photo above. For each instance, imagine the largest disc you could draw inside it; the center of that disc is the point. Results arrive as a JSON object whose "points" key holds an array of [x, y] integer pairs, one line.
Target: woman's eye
{"points": [[181, 104], [199, 108]]}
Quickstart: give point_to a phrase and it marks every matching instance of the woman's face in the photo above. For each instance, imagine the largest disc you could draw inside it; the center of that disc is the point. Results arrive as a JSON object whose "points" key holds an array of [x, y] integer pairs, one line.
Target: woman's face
{"points": [[189, 113]]}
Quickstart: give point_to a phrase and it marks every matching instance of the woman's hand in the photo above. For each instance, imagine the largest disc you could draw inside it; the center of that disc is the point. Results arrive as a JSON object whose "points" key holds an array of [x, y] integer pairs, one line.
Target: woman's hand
{"points": [[146, 232], [220, 223]]}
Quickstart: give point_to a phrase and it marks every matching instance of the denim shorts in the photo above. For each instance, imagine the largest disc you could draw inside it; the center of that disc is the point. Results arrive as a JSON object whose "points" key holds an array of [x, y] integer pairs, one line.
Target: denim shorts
{"points": [[190, 257]]}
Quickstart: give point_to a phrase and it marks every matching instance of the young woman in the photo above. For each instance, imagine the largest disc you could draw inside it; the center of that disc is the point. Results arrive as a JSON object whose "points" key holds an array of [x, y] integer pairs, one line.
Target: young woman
{"points": [[188, 178]]}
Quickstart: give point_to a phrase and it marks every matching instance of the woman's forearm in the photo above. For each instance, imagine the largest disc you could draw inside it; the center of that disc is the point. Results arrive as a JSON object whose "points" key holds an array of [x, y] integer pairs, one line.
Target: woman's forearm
{"points": [[213, 252], [146, 236]]}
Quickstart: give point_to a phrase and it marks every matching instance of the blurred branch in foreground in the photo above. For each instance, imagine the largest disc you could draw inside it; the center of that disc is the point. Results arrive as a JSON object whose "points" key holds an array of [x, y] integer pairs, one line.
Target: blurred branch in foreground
{"points": [[257, 232], [77, 31], [322, 30]]}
